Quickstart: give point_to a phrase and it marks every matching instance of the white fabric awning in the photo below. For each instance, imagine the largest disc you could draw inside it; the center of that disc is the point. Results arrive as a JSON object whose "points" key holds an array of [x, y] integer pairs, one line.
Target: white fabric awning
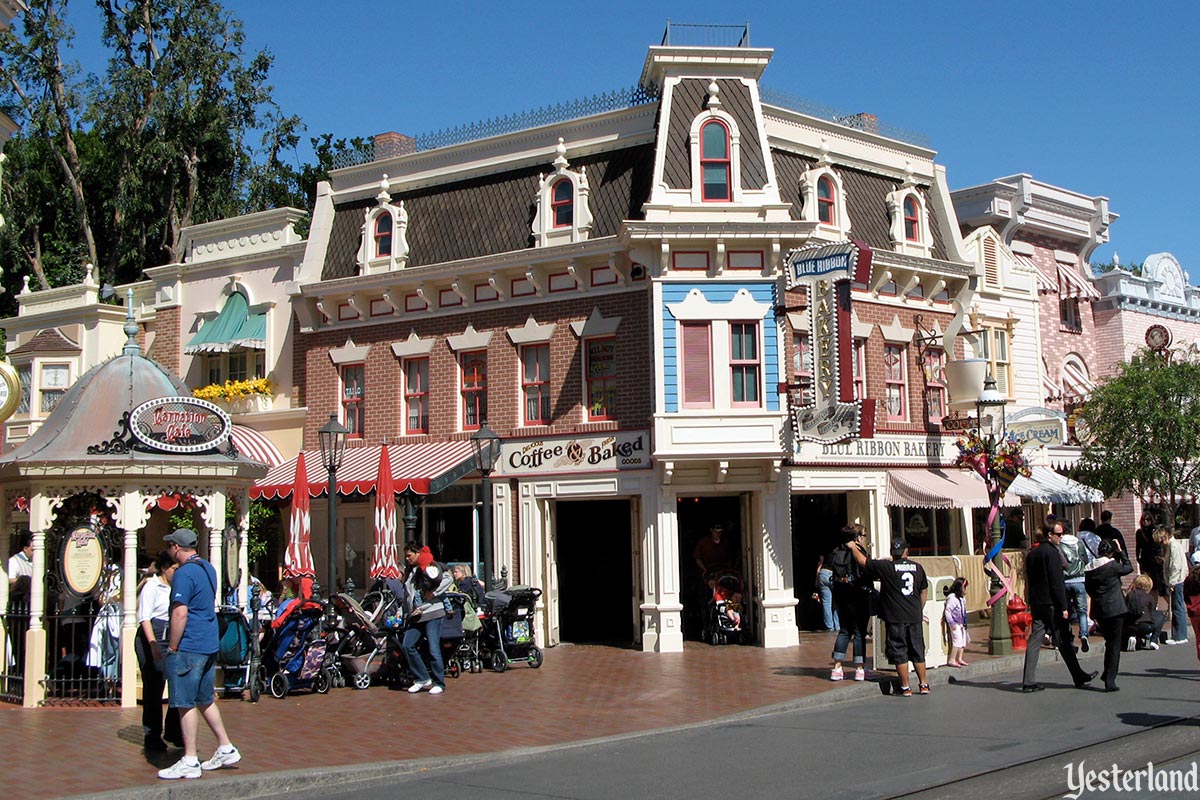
{"points": [[1076, 382], [948, 487], [1073, 284], [1044, 485], [1044, 284]]}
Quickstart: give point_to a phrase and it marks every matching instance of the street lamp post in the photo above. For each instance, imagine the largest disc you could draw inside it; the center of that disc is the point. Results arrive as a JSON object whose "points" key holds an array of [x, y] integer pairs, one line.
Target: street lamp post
{"points": [[487, 451], [332, 437], [989, 410]]}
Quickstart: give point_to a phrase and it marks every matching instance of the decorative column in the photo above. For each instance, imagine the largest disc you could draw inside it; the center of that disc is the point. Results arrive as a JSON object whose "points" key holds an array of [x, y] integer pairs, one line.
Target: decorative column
{"points": [[772, 530], [662, 615], [130, 516], [212, 509], [41, 513], [241, 499]]}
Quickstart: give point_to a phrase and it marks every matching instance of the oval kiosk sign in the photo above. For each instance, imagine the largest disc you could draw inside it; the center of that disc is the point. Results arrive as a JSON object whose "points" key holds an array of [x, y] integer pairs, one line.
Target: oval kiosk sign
{"points": [[180, 425], [82, 561]]}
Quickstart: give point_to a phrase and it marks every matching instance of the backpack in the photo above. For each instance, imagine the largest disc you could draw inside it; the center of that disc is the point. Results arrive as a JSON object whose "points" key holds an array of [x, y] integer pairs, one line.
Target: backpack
{"points": [[843, 566], [1077, 558]]}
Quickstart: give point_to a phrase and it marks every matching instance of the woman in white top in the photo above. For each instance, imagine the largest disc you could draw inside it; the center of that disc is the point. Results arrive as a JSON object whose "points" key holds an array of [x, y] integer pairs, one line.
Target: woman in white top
{"points": [[154, 613]]}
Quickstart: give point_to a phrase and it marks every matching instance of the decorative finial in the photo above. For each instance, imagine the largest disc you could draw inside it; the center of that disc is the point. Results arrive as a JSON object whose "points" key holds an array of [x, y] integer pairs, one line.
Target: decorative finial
{"points": [[385, 190], [1116, 259], [560, 159], [713, 91], [25, 285], [131, 347], [87, 272]]}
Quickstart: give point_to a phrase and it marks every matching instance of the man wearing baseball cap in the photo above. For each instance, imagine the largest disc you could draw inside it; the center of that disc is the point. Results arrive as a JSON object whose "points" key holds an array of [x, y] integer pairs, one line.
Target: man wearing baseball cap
{"points": [[902, 585], [192, 644]]}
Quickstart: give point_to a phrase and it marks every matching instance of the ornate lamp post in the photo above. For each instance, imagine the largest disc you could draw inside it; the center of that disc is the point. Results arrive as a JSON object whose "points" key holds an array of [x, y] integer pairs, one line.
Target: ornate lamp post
{"points": [[487, 451], [989, 410], [332, 436]]}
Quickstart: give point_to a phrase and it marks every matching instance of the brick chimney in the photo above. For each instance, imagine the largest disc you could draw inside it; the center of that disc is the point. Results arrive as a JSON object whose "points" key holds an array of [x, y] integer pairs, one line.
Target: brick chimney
{"points": [[392, 144]]}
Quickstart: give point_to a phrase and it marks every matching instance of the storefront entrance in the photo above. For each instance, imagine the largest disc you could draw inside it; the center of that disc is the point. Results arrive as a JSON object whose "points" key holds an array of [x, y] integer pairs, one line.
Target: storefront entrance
{"points": [[696, 517], [817, 520], [595, 587]]}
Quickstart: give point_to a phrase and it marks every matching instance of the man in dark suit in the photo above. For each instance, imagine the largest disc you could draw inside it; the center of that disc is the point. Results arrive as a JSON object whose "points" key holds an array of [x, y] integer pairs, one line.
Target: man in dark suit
{"points": [[1047, 592], [1105, 530]]}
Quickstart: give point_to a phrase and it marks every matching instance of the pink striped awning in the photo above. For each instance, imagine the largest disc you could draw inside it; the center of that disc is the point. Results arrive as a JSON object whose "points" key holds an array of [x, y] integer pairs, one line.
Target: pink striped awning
{"points": [[948, 487], [414, 468], [255, 446], [1044, 284], [1076, 382], [1072, 284]]}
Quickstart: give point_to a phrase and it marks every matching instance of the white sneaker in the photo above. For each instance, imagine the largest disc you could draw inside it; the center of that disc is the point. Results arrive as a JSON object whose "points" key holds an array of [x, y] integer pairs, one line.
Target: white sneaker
{"points": [[1176, 641], [1131, 644], [836, 674], [1153, 645], [436, 690], [419, 686], [180, 769], [222, 759], [860, 674]]}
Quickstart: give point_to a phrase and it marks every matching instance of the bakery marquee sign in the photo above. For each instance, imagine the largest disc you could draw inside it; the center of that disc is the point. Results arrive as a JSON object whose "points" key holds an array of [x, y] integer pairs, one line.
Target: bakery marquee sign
{"points": [[604, 453]]}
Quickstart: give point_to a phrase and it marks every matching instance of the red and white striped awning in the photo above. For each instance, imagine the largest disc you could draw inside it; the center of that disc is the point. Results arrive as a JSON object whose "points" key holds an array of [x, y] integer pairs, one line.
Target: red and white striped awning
{"points": [[414, 466], [1159, 497], [1050, 390], [1044, 284], [948, 487], [1073, 284], [1076, 382], [255, 446]]}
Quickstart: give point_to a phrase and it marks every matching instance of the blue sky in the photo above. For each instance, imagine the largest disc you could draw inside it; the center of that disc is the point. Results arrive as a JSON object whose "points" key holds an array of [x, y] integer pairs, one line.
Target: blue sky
{"points": [[1098, 97]]}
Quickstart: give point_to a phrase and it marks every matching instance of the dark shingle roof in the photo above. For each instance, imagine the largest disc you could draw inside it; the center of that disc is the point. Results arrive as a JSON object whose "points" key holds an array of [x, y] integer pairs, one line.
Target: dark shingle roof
{"points": [[687, 100], [492, 214], [47, 341]]}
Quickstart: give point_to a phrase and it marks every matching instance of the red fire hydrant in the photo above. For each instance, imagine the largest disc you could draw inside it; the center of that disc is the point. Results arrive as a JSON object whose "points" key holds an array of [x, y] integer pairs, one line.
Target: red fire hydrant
{"points": [[1019, 623]]}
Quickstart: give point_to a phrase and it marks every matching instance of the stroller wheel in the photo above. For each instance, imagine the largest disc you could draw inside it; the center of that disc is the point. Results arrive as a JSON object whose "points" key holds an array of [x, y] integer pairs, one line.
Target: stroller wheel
{"points": [[535, 657], [499, 662], [280, 685], [477, 665], [323, 681], [257, 684], [362, 680], [452, 668]]}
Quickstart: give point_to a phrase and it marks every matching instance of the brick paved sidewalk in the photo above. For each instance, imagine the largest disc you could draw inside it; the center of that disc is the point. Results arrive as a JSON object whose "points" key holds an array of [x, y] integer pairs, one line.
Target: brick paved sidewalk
{"points": [[582, 692]]}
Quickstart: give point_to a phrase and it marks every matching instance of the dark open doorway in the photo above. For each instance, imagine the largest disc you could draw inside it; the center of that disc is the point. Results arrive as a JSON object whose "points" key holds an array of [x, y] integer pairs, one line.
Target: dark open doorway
{"points": [[817, 520], [696, 516], [595, 571]]}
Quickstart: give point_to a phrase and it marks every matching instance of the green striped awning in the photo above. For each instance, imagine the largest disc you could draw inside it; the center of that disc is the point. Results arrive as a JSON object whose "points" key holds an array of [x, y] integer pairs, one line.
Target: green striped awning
{"points": [[235, 328]]}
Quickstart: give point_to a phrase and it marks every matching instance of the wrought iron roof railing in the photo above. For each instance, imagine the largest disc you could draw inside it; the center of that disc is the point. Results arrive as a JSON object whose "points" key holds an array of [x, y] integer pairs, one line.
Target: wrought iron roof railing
{"points": [[686, 34], [862, 122], [497, 126]]}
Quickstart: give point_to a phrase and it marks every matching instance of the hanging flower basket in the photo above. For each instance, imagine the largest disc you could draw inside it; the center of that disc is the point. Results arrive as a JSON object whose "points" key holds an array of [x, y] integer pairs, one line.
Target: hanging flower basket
{"points": [[1006, 461]]}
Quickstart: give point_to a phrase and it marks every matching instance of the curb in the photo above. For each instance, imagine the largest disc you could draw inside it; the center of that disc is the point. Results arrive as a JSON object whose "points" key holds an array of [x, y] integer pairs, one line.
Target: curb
{"points": [[314, 779]]}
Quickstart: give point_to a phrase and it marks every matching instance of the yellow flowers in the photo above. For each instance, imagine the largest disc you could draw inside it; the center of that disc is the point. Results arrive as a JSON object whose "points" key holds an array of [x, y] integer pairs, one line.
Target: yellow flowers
{"points": [[234, 390]]}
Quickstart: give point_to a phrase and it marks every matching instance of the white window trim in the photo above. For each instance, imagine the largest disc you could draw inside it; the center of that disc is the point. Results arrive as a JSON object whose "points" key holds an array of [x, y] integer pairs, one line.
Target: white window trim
{"points": [[542, 228], [349, 353], [531, 333], [809, 210], [904, 382], [413, 347], [895, 201], [368, 262], [596, 325], [470, 339], [735, 152]]}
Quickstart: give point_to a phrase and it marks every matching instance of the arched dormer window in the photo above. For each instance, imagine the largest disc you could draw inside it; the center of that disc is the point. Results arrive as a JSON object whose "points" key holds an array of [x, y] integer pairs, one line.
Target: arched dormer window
{"points": [[823, 200], [715, 164], [826, 201], [562, 203], [912, 221], [383, 240], [562, 214]]}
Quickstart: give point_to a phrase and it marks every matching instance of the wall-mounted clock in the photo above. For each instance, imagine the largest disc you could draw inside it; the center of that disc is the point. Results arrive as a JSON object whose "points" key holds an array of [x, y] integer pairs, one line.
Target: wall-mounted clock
{"points": [[10, 390], [1158, 338]]}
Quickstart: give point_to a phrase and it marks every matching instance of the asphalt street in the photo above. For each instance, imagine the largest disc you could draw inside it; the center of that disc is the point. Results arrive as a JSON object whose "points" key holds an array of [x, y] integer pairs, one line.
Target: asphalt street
{"points": [[965, 739]]}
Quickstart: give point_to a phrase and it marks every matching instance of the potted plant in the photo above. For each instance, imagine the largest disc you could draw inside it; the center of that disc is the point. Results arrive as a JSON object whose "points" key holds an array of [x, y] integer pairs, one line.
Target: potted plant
{"points": [[240, 397]]}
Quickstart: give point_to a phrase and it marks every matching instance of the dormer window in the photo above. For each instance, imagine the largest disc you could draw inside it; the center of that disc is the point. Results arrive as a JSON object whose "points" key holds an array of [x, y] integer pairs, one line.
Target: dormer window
{"points": [[912, 220], [562, 203], [715, 161], [383, 236], [826, 195], [383, 244]]}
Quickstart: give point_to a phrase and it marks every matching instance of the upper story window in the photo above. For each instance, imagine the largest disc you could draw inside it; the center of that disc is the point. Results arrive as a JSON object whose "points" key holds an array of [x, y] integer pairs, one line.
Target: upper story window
{"points": [[239, 365], [383, 235], [416, 395], [895, 382], [826, 201], [601, 378], [25, 378], [909, 219], [744, 363], [912, 220], [535, 383], [715, 171], [802, 367], [695, 343], [1068, 315], [54, 381], [994, 343], [858, 366], [562, 203], [935, 386], [352, 399], [474, 388]]}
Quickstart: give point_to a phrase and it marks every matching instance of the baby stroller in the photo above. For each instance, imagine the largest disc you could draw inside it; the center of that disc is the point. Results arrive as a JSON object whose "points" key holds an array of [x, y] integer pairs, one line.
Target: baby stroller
{"points": [[460, 636], [239, 656], [362, 642], [294, 654], [723, 614], [507, 635]]}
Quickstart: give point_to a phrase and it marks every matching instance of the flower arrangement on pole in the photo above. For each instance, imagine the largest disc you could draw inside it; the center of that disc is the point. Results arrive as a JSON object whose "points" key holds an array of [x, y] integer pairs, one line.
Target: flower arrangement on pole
{"points": [[1002, 462]]}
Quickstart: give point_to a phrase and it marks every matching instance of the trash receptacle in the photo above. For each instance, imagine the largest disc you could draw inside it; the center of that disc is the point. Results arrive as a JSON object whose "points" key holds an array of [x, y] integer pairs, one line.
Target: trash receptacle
{"points": [[936, 647]]}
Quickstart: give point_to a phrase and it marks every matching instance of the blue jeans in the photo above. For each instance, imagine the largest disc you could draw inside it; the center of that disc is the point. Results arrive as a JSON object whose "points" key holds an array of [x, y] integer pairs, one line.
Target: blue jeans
{"points": [[828, 608], [1077, 601], [854, 606], [1179, 617], [433, 636]]}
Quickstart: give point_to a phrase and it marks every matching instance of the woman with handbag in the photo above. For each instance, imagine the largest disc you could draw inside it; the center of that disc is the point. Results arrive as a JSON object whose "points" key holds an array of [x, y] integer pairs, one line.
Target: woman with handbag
{"points": [[154, 613], [1102, 579]]}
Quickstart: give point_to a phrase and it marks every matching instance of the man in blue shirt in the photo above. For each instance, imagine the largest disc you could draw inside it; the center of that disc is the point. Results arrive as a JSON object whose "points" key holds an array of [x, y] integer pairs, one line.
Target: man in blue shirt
{"points": [[192, 644]]}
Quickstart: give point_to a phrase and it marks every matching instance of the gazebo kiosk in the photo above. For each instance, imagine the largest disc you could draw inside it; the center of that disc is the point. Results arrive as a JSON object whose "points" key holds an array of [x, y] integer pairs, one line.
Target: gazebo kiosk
{"points": [[127, 434]]}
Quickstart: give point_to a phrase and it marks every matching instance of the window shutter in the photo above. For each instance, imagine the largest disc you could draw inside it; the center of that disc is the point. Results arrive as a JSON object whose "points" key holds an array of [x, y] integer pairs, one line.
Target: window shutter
{"points": [[696, 345], [991, 263]]}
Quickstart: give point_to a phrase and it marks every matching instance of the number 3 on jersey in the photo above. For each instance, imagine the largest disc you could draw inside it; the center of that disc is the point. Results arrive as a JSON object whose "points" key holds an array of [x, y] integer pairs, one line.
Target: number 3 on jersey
{"points": [[909, 583]]}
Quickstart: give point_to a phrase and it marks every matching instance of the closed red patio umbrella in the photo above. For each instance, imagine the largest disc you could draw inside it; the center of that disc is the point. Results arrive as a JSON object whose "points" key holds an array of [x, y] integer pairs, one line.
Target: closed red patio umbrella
{"points": [[297, 561], [384, 557]]}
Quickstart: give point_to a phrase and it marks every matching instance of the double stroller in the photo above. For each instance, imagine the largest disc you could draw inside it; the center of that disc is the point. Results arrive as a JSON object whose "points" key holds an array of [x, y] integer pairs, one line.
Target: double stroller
{"points": [[507, 636], [294, 651], [723, 612]]}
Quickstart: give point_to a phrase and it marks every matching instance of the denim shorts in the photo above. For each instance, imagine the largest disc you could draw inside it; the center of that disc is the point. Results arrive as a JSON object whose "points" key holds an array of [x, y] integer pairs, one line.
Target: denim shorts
{"points": [[190, 679]]}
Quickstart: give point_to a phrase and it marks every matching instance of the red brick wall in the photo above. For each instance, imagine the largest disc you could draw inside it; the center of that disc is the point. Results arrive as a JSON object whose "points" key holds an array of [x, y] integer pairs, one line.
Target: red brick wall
{"points": [[166, 349], [318, 377]]}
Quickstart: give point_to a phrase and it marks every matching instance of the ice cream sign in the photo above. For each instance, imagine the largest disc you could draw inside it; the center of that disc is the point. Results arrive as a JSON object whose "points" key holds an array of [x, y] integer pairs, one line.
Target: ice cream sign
{"points": [[180, 425]]}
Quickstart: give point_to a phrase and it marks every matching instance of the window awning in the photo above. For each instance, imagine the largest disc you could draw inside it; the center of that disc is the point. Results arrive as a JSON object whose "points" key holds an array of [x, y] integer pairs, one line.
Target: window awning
{"points": [[1050, 389], [939, 488], [233, 329], [424, 468], [1075, 380], [1072, 284], [1044, 485], [255, 446], [1044, 284]]}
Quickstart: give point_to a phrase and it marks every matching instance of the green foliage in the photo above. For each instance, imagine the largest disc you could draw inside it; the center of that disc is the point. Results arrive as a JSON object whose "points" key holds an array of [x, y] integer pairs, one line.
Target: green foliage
{"points": [[1108, 266], [1144, 428], [264, 527]]}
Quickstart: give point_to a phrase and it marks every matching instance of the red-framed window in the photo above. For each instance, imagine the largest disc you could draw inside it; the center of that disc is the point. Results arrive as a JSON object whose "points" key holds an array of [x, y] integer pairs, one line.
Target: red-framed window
{"points": [[826, 199], [714, 161], [474, 388], [935, 384], [601, 378], [802, 366], [858, 368], [416, 395], [383, 235], [535, 384], [695, 345], [352, 399], [912, 220], [895, 383], [744, 364], [562, 203]]}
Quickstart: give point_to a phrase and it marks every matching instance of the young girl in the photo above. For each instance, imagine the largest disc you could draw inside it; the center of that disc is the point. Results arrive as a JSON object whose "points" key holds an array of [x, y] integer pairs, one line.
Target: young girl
{"points": [[956, 621]]}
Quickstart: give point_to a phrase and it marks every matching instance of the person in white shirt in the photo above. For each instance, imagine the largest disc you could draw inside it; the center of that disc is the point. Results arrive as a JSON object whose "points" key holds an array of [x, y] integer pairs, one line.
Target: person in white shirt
{"points": [[20, 584], [154, 614]]}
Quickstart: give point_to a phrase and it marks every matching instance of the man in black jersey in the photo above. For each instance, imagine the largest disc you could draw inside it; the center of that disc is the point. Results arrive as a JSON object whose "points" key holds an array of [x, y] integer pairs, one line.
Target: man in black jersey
{"points": [[902, 586]]}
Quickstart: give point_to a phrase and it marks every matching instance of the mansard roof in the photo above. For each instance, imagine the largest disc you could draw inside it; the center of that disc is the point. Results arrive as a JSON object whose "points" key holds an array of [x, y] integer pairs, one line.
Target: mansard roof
{"points": [[493, 213], [689, 99], [866, 201]]}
